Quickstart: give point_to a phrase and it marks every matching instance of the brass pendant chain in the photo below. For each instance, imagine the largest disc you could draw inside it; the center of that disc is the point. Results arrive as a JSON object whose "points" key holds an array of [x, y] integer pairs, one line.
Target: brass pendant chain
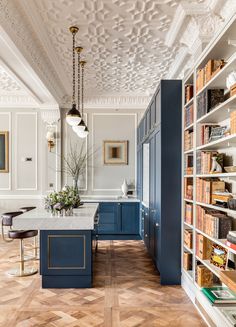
{"points": [[82, 90], [73, 81], [79, 82]]}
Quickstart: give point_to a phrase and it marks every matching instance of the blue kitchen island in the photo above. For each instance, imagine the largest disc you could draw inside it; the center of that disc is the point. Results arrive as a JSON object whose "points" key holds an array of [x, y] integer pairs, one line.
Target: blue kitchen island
{"points": [[65, 245]]}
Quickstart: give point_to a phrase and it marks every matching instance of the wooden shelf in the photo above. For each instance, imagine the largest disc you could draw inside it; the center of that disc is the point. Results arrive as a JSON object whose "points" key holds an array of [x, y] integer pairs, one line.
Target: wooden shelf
{"points": [[187, 200], [189, 225], [188, 176], [224, 142], [188, 151], [220, 175], [211, 206], [215, 270], [189, 127], [189, 273], [219, 80], [188, 103], [220, 113], [188, 249], [221, 242]]}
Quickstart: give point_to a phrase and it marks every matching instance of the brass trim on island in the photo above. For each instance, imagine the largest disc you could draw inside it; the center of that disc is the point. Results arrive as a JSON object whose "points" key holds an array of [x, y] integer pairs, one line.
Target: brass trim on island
{"points": [[68, 236]]}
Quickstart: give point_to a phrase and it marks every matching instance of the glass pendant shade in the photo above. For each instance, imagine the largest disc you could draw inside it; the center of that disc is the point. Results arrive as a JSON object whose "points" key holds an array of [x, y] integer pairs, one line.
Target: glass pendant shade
{"points": [[73, 117], [83, 134]]}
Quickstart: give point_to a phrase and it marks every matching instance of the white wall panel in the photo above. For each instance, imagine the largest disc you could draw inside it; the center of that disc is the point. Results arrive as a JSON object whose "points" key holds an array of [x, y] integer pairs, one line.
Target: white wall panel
{"points": [[26, 140], [5, 125]]}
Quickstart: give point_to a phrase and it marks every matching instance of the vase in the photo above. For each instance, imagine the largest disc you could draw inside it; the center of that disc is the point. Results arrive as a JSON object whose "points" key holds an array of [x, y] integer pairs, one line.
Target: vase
{"points": [[124, 188], [75, 185]]}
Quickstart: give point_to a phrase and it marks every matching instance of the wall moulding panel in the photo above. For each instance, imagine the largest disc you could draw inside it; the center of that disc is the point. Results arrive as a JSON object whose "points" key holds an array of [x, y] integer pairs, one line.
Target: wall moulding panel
{"points": [[26, 151], [5, 125], [112, 126]]}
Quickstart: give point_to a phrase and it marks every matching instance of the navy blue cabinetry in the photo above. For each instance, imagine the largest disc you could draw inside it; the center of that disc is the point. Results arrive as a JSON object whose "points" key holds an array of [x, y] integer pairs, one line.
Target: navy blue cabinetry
{"points": [[162, 217], [119, 220]]}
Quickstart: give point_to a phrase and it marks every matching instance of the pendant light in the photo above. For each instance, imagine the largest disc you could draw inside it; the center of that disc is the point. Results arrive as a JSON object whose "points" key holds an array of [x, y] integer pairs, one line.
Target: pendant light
{"points": [[73, 115], [81, 126], [82, 133]]}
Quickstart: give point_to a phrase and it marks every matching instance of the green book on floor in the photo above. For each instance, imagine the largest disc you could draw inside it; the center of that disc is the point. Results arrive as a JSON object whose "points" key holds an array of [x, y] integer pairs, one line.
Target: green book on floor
{"points": [[219, 295]]}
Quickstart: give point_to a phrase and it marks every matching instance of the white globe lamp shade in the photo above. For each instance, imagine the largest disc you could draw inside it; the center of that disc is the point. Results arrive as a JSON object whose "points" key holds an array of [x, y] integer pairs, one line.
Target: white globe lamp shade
{"points": [[73, 117], [83, 134]]}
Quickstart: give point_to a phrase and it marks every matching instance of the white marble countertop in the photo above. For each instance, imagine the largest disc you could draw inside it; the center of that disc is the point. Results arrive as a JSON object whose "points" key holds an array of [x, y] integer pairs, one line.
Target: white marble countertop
{"points": [[40, 219], [108, 199]]}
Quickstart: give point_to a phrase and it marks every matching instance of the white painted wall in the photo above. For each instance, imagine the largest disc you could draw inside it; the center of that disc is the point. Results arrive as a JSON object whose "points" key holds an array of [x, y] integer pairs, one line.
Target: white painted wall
{"points": [[103, 125]]}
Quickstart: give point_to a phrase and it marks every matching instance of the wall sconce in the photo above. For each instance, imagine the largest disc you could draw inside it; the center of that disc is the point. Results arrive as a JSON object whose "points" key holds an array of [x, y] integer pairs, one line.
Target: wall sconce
{"points": [[50, 136]]}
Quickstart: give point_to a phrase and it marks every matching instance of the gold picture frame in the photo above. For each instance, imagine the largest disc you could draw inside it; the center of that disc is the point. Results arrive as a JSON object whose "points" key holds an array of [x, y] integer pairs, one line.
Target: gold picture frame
{"points": [[4, 152], [115, 152]]}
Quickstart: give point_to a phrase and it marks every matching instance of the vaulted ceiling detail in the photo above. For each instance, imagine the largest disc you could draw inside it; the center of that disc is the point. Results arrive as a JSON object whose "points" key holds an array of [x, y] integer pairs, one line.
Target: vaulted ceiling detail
{"points": [[129, 45]]}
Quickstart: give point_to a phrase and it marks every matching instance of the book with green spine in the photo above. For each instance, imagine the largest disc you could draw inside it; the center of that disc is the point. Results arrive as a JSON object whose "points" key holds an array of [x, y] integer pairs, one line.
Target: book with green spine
{"points": [[219, 295]]}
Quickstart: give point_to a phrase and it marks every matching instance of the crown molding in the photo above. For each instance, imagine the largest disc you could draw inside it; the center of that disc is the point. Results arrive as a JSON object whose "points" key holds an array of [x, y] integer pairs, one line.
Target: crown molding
{"points": [[17, 101], [114, 102], [17, 34]]}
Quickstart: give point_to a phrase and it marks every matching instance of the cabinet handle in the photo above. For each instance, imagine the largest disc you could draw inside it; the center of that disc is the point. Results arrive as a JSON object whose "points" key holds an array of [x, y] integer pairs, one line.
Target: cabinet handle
{"points": [[118, 204], [157, 225], [142, 218], [146, 235], [153, 210], [146, 214]]}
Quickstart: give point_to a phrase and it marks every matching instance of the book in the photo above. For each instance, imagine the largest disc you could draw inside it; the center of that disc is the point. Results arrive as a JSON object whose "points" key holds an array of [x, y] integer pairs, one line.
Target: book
{"points": [[219, 295], [204, 276], [208, 100], [203, 247], [231, 239], [228, 277], [231, 245]]}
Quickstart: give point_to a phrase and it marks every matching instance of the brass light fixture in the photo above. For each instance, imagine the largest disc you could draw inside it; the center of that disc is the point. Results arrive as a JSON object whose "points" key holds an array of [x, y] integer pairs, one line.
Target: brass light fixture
{"points": [[81, 126], [73, 115], [82, 133]]}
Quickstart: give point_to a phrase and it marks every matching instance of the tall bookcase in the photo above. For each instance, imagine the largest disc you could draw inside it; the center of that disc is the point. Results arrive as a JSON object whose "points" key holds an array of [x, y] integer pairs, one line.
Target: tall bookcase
{"points": [[193, 124]]}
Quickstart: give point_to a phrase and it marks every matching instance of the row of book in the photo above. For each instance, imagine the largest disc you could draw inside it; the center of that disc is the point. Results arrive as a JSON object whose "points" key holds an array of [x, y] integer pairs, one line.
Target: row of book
{"points": [[188, 92], [188, 188], [188, 213], [212, 222], [188, 164], [204, 161], [188, 116], [208, 100], [231, 240], [205, 73], [206, 132], [188, 140], [207, 188]]}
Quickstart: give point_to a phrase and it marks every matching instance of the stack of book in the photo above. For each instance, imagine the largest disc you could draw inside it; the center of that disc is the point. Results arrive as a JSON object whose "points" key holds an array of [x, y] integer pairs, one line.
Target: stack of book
{"points": [[204, 277], [228, 277], [205, 74], [220, 295], [188, 188], [204, 161], [206, 187], [213, 223], [188, 117], [188, 92], [203, 247], [205, 133], [208, 100], [188, 164], [188, 238], [231, 240], [188, 217], [233, 122], [188, 140]]}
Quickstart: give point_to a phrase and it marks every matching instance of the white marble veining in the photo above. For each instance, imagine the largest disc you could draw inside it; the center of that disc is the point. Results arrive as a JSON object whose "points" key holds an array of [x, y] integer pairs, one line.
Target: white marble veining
{"points": [[40, 219], [108, 199]]}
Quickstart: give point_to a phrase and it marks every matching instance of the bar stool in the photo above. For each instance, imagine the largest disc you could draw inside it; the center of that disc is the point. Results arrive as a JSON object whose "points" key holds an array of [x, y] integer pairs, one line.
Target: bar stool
{"points": [[35, 246], [21, 235], [7, 220]]}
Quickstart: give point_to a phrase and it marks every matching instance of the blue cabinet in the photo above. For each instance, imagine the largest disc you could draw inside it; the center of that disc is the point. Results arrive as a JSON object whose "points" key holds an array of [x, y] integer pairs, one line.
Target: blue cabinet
{"points": [[119, 220], [162, 218]]}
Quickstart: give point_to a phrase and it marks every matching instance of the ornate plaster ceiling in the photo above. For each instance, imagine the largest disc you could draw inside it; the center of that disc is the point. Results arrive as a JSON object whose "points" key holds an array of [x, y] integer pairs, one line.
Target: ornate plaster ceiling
{"points": [[123, 40], [8, 83], [129, 44]]}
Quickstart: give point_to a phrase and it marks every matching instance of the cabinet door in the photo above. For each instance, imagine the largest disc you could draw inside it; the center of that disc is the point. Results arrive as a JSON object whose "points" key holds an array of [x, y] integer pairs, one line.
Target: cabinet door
{"points": [[146, 228], [129, 218], [108, 218], [157, 202]]}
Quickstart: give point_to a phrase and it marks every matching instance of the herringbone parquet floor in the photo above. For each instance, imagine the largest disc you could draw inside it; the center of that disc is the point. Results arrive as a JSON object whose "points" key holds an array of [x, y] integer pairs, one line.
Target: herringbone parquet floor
{"points": [[126, 293]]}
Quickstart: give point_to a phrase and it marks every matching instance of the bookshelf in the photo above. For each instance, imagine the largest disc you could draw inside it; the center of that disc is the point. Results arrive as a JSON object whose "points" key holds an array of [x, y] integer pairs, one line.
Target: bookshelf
{"points": [[196, 128]]}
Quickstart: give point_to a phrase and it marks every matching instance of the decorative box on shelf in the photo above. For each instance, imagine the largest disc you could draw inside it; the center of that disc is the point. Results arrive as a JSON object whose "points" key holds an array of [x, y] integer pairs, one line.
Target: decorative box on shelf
{"points": [[203, 247], [204, 276], [188, 238], [187, 261]]}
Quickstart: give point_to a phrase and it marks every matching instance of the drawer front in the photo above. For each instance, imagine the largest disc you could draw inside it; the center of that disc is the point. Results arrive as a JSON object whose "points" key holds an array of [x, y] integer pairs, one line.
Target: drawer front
{"points": [[108, 218]]}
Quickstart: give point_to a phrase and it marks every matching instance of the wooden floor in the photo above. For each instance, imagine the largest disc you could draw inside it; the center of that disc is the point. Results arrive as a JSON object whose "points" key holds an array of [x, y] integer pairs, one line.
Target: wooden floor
{"points": [[126, 293]]}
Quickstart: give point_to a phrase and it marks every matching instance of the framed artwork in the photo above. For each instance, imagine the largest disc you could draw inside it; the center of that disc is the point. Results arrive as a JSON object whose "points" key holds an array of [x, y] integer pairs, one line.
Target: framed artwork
{"points": [[4, 152], [219, 256], [115, 152]]}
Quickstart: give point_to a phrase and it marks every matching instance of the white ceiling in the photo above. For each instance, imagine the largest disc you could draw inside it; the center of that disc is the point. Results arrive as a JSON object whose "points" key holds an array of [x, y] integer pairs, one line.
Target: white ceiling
{"points": [[129, 44]]}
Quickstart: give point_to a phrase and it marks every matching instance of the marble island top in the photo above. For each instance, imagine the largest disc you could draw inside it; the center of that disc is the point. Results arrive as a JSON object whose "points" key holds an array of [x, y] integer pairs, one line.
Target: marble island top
{"points": [[108, 199], [40, 219]]}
